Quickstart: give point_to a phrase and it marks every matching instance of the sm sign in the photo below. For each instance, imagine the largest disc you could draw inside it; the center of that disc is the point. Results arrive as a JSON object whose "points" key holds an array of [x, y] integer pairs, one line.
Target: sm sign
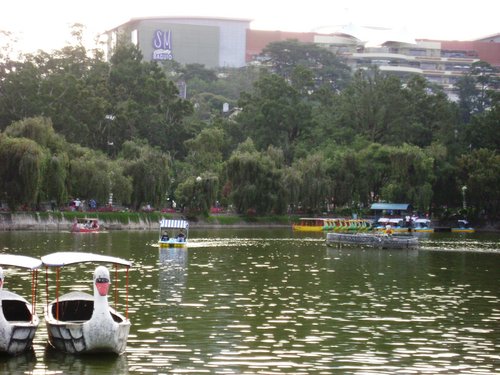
{"points": [[162, 45]]}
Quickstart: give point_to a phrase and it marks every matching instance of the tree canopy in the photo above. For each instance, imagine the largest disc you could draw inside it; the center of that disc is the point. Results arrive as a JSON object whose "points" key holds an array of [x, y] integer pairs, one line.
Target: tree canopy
{"points": [[299, 132]]}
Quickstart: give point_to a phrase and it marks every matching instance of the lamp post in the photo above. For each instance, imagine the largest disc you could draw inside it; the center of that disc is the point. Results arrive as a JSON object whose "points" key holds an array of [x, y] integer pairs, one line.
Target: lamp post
{"points": [[198, 190], [464, 203]]}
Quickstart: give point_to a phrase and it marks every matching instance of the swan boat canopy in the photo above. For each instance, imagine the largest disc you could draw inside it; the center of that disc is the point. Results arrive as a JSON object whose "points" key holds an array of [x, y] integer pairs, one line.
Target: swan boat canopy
{"points": [[78, 322], [173, 233], [18, 318]]}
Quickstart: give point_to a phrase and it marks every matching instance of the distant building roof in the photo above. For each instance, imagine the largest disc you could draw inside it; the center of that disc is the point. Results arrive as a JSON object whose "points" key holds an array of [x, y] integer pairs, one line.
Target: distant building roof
{"points": [[391, 206]]}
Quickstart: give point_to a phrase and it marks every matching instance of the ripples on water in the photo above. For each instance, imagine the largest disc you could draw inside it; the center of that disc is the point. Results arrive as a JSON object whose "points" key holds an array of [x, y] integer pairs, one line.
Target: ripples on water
{"points": [[287, 304]]}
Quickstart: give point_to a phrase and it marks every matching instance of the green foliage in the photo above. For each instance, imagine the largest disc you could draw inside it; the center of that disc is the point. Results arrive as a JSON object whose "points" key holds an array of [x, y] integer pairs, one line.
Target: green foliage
{"points": [[312, 181], [480, 173], [276, 115], [198, 193], [326, 68], [482, 131], [149, 172], [300, 132], [255, 181], [22, 164]]}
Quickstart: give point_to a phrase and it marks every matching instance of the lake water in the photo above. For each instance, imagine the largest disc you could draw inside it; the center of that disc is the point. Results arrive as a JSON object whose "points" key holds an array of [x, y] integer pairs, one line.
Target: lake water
{"points": [[258, 301]]}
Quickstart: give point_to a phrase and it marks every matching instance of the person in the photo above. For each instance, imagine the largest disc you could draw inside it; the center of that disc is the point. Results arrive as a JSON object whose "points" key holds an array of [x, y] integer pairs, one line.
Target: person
{"points": [[181, 236], [388, 230], [164, 237], [78, 203]]}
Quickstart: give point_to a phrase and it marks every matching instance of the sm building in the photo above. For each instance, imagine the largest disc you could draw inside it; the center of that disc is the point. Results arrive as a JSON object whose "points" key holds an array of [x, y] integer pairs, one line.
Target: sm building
{"points": [[213, 42]]}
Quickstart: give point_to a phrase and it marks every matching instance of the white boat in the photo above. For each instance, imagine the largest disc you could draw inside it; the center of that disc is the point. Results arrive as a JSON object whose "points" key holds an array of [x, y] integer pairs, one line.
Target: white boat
{"points": [[18, 318], [78, 322], [173, 233], [395, 224], [372, 240], [422, 225], [463, 227]]}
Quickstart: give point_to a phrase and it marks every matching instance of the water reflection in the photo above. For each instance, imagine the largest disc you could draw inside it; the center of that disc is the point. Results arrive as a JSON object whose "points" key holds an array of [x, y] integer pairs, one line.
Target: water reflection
{"points": [[12, 365], [56, 362], [172, 271], [271, 301]]}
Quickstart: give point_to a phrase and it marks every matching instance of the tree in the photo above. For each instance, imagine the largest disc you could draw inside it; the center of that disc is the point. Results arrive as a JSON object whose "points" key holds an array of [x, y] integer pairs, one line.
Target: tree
{"points": [[198, 193], [475, 89], [22, 165], [92, 175], [411, 177], [149, 170], [285, 56], [429, 115], [255, 180], [480, 173], [19, 91], [190, 71], [314, 183], [275, 115], [146, 104], [483, 129], [55, 177], [373, 106], [205, 151]]}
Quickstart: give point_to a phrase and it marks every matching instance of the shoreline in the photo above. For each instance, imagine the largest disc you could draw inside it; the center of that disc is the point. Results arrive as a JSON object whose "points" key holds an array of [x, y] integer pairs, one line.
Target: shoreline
{"points": [[62, 221], [33, 221]]}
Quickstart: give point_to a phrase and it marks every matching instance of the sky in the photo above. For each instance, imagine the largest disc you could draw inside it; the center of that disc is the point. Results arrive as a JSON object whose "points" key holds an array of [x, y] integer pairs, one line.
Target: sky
{"points": [[45, 24]]}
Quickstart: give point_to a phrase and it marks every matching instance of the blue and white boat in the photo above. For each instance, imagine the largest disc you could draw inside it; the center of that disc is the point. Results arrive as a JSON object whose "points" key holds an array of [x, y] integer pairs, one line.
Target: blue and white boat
{"points": [[173, 233]]}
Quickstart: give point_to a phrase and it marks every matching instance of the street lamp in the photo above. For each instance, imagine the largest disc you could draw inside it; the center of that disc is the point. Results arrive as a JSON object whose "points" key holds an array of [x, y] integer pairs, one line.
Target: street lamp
{"points": [[464, 204]]}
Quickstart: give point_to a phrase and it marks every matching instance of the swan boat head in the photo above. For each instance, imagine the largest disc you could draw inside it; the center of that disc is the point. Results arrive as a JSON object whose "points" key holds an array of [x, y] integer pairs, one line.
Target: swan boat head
{"points": [[101, 282]]}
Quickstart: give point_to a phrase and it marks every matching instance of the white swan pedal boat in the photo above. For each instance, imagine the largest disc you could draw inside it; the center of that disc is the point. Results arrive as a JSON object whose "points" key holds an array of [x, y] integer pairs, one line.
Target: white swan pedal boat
{"points": [[18, 318], [78, 322]]}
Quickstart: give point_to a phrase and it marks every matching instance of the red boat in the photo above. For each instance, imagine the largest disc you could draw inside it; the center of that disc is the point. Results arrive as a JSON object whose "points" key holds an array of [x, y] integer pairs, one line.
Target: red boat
{"points": [[85, 225]]}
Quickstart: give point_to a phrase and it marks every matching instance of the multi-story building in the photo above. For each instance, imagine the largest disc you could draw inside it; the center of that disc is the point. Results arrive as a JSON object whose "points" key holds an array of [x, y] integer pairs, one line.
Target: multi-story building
{"points": [[222, 42], [213, 42]]}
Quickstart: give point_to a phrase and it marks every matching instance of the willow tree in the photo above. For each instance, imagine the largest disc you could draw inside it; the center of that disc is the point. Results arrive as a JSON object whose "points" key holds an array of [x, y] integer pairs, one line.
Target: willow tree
{"points": [[315, 184], [480, 174], [149, 170], [93, 175], [255, 180], [198, 193], [412, 175], [22, 165]]}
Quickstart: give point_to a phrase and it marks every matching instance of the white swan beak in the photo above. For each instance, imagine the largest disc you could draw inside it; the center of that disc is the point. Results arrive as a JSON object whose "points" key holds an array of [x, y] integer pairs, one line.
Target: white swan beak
{"points": [[102, 285]]}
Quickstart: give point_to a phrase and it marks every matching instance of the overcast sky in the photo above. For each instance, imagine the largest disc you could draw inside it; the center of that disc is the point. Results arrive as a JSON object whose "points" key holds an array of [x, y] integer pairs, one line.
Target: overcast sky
{"points": [[46, 24]]}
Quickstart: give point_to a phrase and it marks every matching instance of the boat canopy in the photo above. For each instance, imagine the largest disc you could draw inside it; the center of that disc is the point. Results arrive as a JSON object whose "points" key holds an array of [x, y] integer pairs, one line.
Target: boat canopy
{"points": [[426, 221], [391, 206], [390, 220], [20, 261], [60, 259], [176, 224]]}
